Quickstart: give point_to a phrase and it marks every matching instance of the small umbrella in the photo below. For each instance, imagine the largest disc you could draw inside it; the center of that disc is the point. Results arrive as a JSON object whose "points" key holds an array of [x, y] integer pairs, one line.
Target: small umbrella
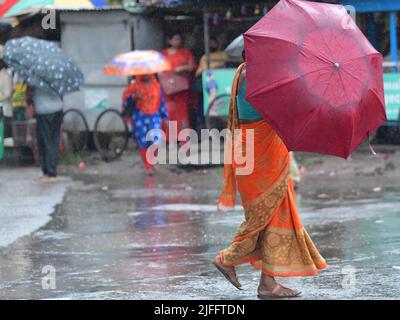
{"points": [[138, 62], [314, 77], [235, 48], [43, 64]]}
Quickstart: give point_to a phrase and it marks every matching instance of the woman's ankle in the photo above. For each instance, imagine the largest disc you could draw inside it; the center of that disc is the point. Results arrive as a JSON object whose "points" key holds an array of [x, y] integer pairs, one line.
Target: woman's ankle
{"points": [[267, 281]]}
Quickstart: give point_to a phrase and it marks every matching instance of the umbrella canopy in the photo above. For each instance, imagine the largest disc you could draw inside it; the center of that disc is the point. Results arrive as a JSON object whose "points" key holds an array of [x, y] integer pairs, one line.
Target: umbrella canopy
{"points": [[43, 64], [314, 77], [235, 48], [11, 8], [138, 62]]}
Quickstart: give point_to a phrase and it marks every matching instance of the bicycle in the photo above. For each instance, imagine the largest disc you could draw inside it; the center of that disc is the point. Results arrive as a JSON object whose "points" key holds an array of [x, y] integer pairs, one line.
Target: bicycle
{"points": [[111, 134], [74, 132], [217, 113]]}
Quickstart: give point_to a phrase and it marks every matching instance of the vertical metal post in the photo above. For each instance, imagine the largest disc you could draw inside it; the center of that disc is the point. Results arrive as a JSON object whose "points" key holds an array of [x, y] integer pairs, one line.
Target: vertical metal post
{"points": [[206, 17], [372, 29], [393, 39]]}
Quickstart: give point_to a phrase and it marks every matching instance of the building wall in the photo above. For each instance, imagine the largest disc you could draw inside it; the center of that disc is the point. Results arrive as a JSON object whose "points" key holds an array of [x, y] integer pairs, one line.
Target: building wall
{"points": [[93, 39], [148, 33]]}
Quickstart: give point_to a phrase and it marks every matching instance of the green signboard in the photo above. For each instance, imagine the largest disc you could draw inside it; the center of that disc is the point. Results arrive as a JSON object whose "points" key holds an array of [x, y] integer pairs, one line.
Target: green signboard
{"points": [[392, 95], [217, 84]]}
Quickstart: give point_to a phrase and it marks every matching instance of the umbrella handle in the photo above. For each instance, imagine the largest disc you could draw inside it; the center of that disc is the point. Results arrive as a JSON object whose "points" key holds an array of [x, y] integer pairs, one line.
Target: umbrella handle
{"points": [[370, 146]]}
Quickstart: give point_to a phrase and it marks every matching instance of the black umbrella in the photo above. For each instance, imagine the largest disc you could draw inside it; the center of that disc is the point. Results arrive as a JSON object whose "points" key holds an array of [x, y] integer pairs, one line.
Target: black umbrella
{"points": [[43, 65]]}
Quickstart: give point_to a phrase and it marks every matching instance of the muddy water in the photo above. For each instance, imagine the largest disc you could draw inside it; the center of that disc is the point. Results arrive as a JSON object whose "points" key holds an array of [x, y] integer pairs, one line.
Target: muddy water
{"points": [[147, 242]]}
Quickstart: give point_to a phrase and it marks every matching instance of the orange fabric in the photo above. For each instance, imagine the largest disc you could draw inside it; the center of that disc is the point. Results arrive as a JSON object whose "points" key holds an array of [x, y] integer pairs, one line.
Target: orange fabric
{"points": [[271, 160], [130, 90], [272, 237], [271, 157], [228, 195], [147, 95]]}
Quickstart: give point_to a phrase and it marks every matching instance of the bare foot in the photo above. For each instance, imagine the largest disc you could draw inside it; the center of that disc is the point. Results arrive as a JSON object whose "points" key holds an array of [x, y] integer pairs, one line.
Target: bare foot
{"points": [[269, 288], [228, 272], [48, 179]]}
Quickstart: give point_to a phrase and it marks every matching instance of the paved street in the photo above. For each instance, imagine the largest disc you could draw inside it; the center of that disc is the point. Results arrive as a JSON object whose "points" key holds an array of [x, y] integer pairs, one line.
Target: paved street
{"points": [[125, 236], [132, 107]]}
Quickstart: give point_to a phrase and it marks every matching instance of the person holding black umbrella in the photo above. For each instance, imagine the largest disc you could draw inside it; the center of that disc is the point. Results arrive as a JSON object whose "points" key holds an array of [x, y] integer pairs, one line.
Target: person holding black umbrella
{"points": [[49, 114], [50, 75]]}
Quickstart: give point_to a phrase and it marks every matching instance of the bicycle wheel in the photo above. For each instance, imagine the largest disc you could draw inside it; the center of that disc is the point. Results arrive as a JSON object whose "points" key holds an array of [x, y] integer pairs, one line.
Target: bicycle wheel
{"points": [[218, 111], [111, 134], [74, 133]]}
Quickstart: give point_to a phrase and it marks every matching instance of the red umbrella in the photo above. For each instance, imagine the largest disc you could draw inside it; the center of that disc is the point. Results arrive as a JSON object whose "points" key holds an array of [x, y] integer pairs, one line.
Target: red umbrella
{"points": [[314, 77]]}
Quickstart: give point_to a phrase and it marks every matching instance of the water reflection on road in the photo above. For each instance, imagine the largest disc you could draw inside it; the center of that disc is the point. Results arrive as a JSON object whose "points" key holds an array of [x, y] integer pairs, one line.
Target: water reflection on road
{"points": [[153, 242]]}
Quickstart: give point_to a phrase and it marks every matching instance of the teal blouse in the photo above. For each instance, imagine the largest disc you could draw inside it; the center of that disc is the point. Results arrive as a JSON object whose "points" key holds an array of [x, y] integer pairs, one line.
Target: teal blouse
{"points": [[245, 110]]}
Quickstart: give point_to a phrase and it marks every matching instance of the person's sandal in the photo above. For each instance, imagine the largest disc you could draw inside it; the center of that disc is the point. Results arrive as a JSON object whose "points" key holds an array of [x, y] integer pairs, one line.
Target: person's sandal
{"points": [[273, 294], [226, 275]]}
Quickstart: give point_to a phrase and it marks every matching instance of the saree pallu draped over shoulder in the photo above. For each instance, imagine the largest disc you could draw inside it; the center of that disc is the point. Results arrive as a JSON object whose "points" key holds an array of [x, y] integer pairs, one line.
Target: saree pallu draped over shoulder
{"points": [[272, 237]]}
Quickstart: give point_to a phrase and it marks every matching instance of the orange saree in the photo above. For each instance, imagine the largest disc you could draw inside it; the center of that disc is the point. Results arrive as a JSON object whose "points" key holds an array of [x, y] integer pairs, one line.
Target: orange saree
{"points": [[272, 237]]}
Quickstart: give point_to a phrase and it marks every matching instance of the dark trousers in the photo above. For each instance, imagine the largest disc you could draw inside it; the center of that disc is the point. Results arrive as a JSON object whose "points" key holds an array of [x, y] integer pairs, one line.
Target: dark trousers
{"points": [[7, 127], [200, 121], [48, 136]]}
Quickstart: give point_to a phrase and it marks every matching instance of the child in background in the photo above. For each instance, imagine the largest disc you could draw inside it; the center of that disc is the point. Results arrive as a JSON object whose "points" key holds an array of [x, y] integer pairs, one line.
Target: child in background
{"points": [[145, 98]]}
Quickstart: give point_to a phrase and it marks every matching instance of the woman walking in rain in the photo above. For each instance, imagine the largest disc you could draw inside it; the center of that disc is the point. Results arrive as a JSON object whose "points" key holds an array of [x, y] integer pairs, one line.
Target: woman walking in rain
{"points": [[271, 238], [183, 64], [144, 96]]}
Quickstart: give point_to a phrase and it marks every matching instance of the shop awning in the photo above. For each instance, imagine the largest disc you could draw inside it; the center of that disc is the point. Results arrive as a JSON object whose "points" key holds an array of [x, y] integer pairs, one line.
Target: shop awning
{"points": [[12, 8]]}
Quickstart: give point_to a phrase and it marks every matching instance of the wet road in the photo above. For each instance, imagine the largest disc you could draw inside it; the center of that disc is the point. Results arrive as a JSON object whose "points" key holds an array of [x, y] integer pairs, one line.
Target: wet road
{"points": [[145, 242], [24, 204]]}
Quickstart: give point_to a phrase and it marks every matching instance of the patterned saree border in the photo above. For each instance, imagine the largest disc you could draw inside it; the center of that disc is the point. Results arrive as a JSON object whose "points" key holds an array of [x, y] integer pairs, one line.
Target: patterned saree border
{"points": [[263, 207], [312, 271], [238, 263]]}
